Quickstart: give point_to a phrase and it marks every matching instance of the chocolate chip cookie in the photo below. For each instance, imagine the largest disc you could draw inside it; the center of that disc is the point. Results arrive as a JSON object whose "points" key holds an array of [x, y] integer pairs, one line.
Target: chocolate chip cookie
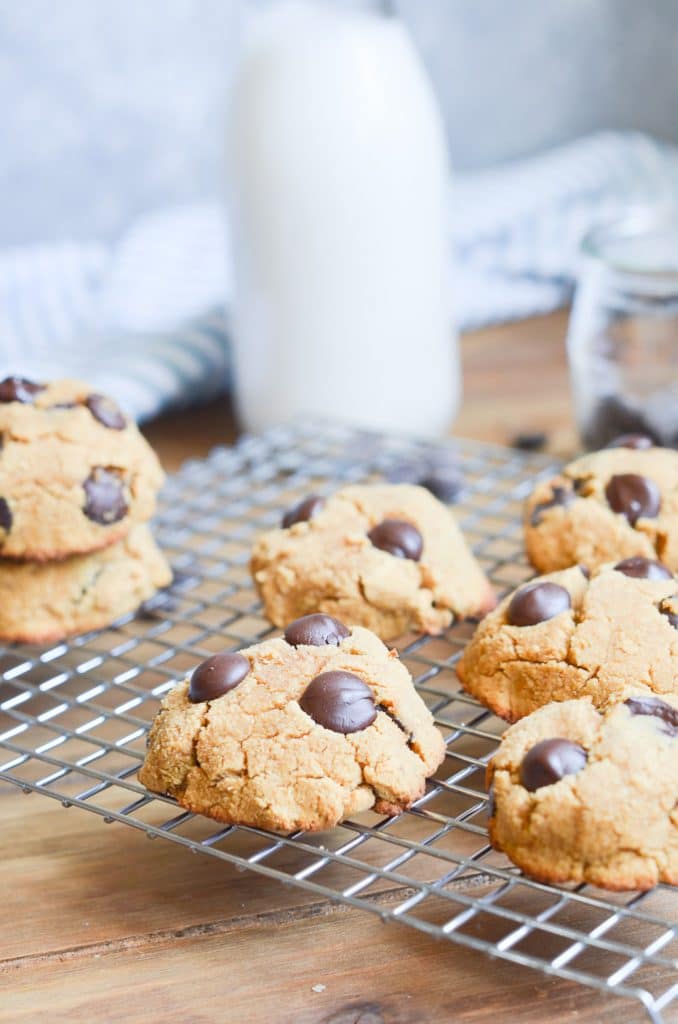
{"points": [[298, 732], [608, 505], [75, 474], [565, 635], [580, 795], [388, 557], [41, 602]]}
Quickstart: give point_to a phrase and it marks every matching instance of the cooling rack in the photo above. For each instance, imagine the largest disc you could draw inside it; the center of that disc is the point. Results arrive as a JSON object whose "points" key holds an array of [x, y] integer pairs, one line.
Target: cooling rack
{"points": [[74, 717]]}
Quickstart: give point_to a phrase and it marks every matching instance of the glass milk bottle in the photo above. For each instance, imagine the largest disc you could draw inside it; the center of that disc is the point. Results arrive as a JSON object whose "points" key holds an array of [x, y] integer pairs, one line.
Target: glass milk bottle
{"points": [[338, 185]]}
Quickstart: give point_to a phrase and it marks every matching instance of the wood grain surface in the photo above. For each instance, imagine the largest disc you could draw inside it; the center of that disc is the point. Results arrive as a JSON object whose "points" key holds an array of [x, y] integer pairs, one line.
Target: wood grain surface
{"points": [[100, 925]]}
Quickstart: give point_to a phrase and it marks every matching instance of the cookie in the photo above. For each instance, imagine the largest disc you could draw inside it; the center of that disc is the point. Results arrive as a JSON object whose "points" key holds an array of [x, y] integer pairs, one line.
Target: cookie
{"points": [[603, 507], [298, 732], [41, 602], [580, 795], [565, 635], [385, 556], [75, 474]]}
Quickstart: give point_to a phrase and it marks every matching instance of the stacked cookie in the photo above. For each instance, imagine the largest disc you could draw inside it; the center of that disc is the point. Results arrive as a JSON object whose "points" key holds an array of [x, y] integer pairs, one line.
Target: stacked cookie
{"points": [[585, 786], [78, 484]]}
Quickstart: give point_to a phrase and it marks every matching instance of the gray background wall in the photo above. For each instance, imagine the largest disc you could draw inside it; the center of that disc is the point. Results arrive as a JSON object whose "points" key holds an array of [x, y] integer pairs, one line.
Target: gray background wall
{"points": [[112, 107]]}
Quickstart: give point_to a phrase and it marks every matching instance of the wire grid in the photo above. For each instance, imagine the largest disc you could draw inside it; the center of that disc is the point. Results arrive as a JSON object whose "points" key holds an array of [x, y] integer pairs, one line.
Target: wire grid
{"points": [[74, 717]]}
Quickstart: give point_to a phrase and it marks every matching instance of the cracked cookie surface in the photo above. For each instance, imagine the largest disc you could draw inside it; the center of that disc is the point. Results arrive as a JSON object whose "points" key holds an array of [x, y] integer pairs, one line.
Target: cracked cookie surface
{"points": [[605, 506], [616, 632], [75, 474], [388, 557], [258, 754], [41, 602], [584, 796]]}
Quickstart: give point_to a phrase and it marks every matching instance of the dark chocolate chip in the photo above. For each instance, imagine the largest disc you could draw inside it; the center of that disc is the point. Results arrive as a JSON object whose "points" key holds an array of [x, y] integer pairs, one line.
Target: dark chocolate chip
{"points": [[656, 708], [637, 441], [18, 389], [104, 496], [550, 761], [530, 442], [106, 411], [216, 676], [559, 496], [633, 496], [316, 631], [667, 607], [643, 568], [339, 701], [5, 516], [398, 538], [303, 511], [537, 602]]}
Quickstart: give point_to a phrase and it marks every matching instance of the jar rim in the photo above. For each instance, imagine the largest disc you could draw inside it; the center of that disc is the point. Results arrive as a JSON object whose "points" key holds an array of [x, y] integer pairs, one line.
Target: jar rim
{"points": [[635, 223]]}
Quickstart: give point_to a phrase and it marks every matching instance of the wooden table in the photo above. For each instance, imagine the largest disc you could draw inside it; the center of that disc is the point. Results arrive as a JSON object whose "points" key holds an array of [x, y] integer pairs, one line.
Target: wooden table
{"points": [[97, 929]]}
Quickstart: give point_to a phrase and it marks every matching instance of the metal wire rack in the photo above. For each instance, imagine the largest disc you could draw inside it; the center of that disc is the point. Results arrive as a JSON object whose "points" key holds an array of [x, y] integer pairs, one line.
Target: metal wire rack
{"points": [[74, 717]]}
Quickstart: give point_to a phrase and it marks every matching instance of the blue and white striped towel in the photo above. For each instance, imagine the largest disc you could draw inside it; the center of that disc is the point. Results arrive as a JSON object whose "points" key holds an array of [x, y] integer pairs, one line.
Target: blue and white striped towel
{"points": [[146, 320]]}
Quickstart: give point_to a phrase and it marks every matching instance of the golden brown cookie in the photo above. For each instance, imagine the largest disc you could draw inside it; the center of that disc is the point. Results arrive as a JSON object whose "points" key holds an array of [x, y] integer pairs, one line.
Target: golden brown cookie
{"points": [[41, 602], [75, 474], [297, 732], [579, 795], [388, 557], [563, 635], [606, 506]]}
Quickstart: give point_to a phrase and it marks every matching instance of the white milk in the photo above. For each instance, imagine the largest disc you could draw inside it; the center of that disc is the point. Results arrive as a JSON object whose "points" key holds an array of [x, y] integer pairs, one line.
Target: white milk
{"points": [[338, 186]]}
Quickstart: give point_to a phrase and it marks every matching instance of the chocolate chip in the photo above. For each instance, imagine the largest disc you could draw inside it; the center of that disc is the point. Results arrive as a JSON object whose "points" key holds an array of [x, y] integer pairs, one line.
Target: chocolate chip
{"points": [[667, 607], [216, 676], [339, 701], [656, 708], [633, 496], [530, 442], [316, 631], [559, 496], [5, 516], [106, 411], [18, 389], [398, 538], [550, 761], [643, 569], [637, 441], [104, 496], [303, 511], [537, 602]]}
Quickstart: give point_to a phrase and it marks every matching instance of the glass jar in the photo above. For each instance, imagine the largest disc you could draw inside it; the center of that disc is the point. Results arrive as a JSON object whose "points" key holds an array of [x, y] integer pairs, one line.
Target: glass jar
{"points": [[623, 334]]}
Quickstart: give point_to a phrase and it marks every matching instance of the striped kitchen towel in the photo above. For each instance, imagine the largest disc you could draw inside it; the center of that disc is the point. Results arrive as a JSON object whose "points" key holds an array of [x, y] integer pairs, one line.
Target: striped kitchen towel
{"points": [[146, 320]]}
